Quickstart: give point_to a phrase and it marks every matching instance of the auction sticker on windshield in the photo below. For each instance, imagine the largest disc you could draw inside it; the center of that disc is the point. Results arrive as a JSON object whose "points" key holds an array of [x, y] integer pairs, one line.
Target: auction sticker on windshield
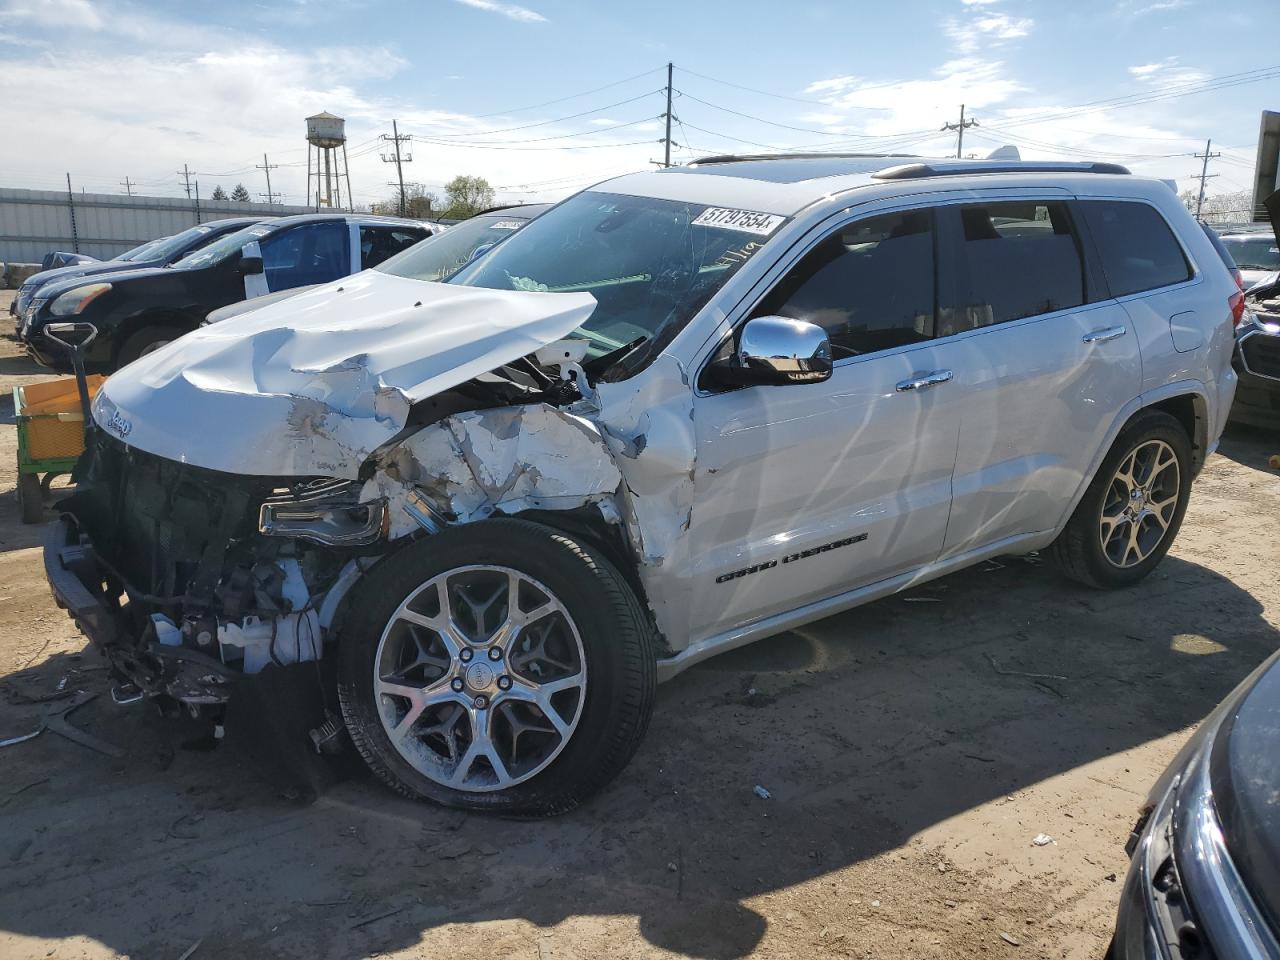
{"points": [[746, 221]]}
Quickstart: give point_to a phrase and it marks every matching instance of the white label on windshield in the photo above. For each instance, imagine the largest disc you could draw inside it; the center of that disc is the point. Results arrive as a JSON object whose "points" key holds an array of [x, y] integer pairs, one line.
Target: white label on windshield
{"points": [[508, 225], [746, 221]]}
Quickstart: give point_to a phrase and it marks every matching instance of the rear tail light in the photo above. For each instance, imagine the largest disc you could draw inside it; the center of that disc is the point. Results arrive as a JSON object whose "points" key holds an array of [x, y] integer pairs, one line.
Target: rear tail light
{"points": [[1236, 300]]}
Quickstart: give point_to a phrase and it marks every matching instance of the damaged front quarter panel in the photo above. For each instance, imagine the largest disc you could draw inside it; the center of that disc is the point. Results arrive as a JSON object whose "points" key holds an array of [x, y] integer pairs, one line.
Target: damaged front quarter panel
{"points": [[503, 460]]}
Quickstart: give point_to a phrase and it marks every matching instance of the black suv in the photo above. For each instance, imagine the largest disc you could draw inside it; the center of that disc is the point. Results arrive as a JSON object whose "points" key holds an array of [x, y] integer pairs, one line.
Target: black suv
{"points": [[153, 253], [137, 311]]}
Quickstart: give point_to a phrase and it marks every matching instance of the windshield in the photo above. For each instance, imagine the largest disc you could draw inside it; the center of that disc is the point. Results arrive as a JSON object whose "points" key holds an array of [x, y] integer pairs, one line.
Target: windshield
{"points": [[651, 264], [1254, 253], [166, 248], [223, 247], [142, 251], [444, 254]]}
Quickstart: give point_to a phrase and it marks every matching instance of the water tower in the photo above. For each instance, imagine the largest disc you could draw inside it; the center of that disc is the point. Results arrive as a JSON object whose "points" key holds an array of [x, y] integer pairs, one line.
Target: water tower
{"points": [[327, 146]]}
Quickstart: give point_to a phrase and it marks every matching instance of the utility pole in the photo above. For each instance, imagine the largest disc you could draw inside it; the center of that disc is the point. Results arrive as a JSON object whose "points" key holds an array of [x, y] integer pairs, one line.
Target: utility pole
{"points": [[666, 160], [1204, 173], [185, 174], [960, 129], [266, 168], [397, 159], [128, 187]]}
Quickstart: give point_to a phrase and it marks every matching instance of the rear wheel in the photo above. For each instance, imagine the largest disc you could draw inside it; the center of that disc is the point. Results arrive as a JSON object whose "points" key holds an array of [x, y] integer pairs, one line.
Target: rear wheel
{"points": [[145, 341], [1131, 512], [30, 498], [497, 666]]}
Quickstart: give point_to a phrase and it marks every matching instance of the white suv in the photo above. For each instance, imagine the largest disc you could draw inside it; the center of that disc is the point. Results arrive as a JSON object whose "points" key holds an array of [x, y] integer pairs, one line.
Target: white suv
{"points": [[679, 412]]}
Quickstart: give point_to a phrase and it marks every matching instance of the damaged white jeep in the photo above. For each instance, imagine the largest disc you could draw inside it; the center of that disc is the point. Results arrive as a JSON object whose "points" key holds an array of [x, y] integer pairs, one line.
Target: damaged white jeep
{"points": [[679, 412]]}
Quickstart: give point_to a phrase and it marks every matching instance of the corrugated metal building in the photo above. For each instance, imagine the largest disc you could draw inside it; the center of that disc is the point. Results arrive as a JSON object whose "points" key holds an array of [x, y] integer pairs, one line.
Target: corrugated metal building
{"points": [[104, 225]]}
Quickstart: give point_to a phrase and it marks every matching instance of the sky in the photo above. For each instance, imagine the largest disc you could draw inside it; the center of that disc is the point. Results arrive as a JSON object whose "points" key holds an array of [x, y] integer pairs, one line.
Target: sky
{"points": [[544, 97]]}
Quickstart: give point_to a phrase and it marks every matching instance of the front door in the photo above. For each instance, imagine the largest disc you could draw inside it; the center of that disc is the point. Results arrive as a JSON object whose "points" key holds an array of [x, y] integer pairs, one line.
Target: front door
{"points": [[805, 491]]}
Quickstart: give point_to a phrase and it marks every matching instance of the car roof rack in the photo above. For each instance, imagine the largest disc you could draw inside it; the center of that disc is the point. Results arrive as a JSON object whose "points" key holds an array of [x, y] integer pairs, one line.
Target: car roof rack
{"points": [[955, 168], [746, 157]]}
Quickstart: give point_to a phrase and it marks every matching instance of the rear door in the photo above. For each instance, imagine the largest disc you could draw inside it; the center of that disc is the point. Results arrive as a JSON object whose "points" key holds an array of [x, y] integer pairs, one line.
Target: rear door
{"points": [[1043, 361], [378, 242]]}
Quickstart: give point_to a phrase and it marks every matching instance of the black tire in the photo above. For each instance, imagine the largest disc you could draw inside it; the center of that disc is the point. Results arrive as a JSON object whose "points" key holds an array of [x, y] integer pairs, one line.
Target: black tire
{"points": [[144, 341], [1078, 551], [619, 653], [30, 498]]}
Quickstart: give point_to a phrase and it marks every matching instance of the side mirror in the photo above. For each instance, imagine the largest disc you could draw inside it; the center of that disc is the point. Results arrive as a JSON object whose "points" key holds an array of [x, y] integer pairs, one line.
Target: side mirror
{"points": [[773, 351], [250, 265]]}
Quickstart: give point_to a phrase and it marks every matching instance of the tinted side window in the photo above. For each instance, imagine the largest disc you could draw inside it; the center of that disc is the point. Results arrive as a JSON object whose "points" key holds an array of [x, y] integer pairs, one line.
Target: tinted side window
{"points": [[1013, 260], [1137, 248], [306, 254], [379, 243], [869, 285]]}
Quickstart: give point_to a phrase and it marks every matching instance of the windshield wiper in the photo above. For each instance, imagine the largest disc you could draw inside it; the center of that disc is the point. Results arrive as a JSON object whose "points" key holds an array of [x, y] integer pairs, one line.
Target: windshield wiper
{"points": [[596, 367]]}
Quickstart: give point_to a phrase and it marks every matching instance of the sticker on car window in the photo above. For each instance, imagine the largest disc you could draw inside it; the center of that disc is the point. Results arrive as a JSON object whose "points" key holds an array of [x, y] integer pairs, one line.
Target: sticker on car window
{"points": [[507, 225], [746, 221]]}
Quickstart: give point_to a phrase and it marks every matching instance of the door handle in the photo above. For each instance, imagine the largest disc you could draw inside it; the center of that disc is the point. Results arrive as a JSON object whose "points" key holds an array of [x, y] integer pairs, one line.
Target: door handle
{"points": [[1103, 335], [925, 381]]}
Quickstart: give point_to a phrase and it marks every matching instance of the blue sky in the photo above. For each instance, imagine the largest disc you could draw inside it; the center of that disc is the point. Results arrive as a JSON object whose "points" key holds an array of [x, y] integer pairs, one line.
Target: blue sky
{"points": [[112, 89]]}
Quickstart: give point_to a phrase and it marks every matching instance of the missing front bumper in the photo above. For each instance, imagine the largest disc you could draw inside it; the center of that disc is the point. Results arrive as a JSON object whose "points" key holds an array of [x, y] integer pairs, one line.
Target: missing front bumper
{"points": [[78, 583]]}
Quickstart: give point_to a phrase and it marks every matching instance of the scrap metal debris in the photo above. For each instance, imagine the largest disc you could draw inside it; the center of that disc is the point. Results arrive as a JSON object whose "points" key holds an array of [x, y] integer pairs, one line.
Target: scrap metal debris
{"points": [[55, 720]]}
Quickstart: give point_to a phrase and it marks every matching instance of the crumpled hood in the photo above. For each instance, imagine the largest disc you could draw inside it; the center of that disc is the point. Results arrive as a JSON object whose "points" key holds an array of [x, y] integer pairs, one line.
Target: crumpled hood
{"points": [[313, 384]]}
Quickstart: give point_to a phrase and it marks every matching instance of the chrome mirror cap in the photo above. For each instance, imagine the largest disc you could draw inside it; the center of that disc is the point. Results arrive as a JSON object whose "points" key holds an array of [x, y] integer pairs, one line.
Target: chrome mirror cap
{"points": [[779, 350]]}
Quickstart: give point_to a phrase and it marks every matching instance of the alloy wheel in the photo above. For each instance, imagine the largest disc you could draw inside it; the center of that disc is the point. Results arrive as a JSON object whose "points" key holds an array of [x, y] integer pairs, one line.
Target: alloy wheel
{"points": [[480, 678], [1140, 503]]}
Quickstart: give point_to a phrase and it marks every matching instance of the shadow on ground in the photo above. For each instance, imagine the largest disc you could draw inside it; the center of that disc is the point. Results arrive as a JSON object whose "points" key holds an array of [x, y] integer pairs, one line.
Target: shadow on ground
{"points": [[867, 728]]}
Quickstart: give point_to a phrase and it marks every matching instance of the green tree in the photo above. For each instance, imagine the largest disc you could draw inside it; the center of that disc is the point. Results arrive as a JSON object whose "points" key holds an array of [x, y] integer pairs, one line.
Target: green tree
{"points": [[219, 193], [240, 194], [466, 196], [419, 203]]}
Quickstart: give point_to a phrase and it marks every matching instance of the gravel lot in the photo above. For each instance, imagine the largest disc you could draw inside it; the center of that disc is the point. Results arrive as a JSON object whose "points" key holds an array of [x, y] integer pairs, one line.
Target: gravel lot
{"points": [[912, 749]]}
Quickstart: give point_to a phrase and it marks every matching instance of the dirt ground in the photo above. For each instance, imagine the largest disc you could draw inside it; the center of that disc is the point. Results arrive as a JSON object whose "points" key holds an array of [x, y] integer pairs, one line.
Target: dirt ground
{"points": [[913, 748]]}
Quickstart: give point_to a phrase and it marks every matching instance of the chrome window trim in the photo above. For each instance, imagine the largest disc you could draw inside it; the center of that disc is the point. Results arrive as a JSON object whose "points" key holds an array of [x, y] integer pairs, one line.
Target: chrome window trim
{"points": [[818, 232]]}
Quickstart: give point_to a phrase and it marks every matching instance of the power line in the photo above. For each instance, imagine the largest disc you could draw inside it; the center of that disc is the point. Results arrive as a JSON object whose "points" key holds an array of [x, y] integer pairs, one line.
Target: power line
{"points": [[543, 123], [572, 96], [128, 187]]}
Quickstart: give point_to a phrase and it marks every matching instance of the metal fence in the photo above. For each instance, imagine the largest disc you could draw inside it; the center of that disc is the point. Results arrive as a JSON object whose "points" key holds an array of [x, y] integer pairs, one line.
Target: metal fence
{"points": [[104, 225]]}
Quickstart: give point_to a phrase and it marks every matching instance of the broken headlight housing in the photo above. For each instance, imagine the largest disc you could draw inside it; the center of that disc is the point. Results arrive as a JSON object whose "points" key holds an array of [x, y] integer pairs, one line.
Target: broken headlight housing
{"points": [[326, 511]]}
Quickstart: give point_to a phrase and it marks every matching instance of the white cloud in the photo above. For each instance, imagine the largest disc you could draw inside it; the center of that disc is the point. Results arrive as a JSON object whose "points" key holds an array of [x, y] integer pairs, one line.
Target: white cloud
{"points": [[1166, 73], [973, 33], [71, 14], [1141, 9], [511, 10]]}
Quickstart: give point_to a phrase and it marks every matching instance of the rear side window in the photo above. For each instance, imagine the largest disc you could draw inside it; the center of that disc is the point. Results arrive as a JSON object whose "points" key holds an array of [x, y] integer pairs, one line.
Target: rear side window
{"points": [[1138, 250], [379, 243], [869, 284], [1011, 260]]}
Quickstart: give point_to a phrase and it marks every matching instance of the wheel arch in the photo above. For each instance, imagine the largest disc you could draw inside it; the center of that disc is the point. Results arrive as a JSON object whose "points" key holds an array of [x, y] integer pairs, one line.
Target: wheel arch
{"points": [[1192, 411], [136, 322]]}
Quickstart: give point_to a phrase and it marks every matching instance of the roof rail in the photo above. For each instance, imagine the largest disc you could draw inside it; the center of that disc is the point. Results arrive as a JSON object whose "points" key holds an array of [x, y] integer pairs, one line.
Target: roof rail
{"points": [[915, 171], [743, 157]]}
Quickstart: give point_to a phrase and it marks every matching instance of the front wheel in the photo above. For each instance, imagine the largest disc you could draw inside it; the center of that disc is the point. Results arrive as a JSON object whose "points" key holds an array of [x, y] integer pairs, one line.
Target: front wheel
{"points": [[1131, 512], [497, 666]]}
